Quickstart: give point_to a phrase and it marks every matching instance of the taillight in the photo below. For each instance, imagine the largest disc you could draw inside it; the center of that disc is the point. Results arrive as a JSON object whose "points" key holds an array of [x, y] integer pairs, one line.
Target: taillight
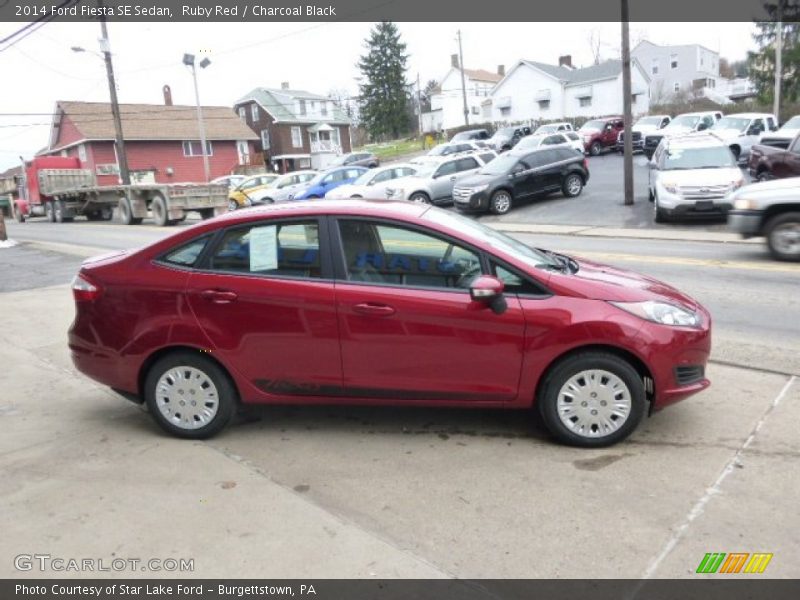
{"points": [[84, 290]]}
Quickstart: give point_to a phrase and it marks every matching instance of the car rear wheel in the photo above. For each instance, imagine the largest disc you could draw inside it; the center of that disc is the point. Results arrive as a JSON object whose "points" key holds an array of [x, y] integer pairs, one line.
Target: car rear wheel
{"points": [[783, 236], [572, 186], [501, 202], [49, 212], [159, 208], [420, 197], [594, 149], [763, 176], [126, 213], [592, 399], [189, 395]]}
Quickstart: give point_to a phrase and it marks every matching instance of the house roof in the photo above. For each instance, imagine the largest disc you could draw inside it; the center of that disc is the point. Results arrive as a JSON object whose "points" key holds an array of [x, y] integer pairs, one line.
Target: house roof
{"points": [[280, 104], [94, 121], [605, 70], [706, 48], [482, 75], [12, 172]]}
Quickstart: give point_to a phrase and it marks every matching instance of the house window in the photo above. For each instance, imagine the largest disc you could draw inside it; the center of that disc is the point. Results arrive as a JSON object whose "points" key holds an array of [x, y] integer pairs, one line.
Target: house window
{"points": [[505, 111], [254, 111], [336, 137], [242, 113], [243, 151], [673, 61], [82, 152], [195, 148], [544, 104], [324, 109], [265, 139], [585, 101], [313, 107], [677, 87], [302, 106], [475, 110], [654, 67], [297, 137]]}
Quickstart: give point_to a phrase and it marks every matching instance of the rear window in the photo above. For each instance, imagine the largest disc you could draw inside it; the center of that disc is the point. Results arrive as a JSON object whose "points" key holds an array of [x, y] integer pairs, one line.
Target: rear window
{"points": [[186, 255]]}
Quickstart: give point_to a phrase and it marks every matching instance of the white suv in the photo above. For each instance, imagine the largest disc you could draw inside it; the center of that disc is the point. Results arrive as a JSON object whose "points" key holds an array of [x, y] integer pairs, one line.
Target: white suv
{"points": [[680, 125], [742, 130], [693, 174], [435, 177]]}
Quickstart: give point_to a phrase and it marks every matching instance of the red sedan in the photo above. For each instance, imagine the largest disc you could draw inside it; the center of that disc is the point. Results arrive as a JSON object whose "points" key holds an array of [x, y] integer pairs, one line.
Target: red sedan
{"points": [[362, 302]]}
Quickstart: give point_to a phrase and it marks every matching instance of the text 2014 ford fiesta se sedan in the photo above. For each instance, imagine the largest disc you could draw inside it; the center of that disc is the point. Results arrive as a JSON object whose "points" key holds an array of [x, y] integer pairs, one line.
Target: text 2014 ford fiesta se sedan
{"points": [[360, 302]]}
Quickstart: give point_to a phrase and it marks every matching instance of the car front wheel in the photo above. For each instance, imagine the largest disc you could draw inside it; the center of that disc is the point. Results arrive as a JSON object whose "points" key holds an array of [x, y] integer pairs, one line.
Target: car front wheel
{"points": [[572, 186], [189, 395], [594, 149], [592, 399], [783, 236], [501, 202]]}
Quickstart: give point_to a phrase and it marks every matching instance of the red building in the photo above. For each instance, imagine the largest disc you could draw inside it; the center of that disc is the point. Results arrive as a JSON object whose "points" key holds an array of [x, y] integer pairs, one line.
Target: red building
{"points": [[162, 142]]}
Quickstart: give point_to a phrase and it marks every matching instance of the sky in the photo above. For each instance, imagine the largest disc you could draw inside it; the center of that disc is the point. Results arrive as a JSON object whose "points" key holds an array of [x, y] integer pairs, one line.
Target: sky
{"points": [[318, 57]]}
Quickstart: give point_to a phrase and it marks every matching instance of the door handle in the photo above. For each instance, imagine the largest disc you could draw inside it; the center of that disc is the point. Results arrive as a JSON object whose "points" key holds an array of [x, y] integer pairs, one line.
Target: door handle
{"points": [[219, 296], [377, 310]]}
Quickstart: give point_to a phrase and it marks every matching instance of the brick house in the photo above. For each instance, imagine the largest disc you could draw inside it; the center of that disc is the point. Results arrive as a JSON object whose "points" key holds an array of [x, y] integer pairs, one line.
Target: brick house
{"points": [[161, 141], [294, 125]]}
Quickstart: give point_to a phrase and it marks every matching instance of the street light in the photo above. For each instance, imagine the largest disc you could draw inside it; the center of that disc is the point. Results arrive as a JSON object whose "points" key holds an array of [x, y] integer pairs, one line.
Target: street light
{"points": [[188, 60]]}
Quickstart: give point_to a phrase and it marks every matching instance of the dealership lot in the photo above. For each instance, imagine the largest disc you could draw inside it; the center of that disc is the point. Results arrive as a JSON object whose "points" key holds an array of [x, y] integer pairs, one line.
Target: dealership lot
{"points": [[382, 492]]}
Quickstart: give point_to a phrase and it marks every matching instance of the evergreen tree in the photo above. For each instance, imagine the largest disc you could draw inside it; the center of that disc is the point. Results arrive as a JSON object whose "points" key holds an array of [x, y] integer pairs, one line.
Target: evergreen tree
{"points": [[384, 93], [761, 64]]}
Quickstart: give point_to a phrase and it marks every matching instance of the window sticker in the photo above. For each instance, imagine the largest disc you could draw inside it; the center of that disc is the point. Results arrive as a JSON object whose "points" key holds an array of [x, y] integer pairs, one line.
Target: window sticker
{"points": [[263, 248]]}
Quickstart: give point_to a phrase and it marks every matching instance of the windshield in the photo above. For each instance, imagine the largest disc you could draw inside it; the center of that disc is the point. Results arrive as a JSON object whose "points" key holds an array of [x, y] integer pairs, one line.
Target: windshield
{"points": [[504, 132], [529, 143], [731, 123], [500, 165], [518, 250], [713, 157], [649, 121], [684, 121], [793, 123], [592, 125], [547, 129], [339, 160]]}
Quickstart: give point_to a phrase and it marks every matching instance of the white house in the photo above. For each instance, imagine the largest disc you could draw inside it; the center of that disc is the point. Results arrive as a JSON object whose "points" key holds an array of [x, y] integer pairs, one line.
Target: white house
{"points": [[448, 102], [538, 91]]}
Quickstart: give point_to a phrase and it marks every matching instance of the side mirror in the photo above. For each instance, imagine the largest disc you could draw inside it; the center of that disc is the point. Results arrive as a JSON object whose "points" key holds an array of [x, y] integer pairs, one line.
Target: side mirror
{"points": [[488, 291]]}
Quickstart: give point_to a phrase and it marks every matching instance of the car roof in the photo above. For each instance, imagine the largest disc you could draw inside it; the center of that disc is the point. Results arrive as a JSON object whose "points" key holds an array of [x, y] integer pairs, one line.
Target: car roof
{"points": [[698, 139], [750, 115], [350, 206]]}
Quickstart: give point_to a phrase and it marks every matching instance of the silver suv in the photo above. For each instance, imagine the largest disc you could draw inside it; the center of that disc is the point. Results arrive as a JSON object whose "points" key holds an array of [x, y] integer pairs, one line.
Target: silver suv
{"points": [[435, 177]]}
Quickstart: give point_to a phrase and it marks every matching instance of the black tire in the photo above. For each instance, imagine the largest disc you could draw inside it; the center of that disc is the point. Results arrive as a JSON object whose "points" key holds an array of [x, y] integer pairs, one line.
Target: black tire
{"points": [[501, 202], [594, 149], [158, 206], [58, 211], [420, 197], [650, 195], [573, 365], [763, 176], [774, 231], [737, 152], [572, 185], [227, 397], [50, 212], [93, 215], [372, 165], [106, 213], [314, 197], [659, 216], [126, 213]]}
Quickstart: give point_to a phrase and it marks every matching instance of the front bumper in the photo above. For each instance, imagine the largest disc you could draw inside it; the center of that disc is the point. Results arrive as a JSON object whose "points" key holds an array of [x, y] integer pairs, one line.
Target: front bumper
{"points": [[477, 202], [747, 223], [679, 206]]}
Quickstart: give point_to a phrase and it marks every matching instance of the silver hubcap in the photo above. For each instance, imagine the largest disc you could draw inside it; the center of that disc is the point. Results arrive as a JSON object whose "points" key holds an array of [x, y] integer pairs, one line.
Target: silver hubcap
{"points": [[786, 238], [573, 185], [232, 205], [187, 398], [594, 403], [502, 202], [419, 198]]}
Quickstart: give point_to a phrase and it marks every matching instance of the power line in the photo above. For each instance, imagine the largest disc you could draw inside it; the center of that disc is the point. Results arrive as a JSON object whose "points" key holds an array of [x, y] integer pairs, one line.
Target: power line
{"points": [[36, 24]]}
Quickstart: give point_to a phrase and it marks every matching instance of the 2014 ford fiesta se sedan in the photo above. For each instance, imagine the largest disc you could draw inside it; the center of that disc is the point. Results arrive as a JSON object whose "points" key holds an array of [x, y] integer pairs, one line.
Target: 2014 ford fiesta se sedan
{"points": [[380, 302]]}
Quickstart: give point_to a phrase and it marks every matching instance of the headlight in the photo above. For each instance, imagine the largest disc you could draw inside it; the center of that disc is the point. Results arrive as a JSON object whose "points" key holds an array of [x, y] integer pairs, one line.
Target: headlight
{"points": [[670, 187], [661, 312], [478, 188], [745, 204], [737, 184]]}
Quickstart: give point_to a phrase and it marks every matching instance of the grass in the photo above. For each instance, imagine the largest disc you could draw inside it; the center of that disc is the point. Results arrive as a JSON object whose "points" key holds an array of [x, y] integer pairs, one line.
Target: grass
{"points": [[392, 149]]}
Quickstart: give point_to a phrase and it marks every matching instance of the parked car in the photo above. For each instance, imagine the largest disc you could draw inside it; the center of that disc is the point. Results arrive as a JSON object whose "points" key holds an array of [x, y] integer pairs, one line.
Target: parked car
{"points": [[771, 162], [783, 136], [600, 134], [356, 159], [373, 183], [680, 125], [692, 175], [569, 138], [230, 180], [506, 138], [520, 174], [391, 303], [770, 209], [449, 148], [642, 127], [324, 181], [553, 127], [741, 131], [284, 186], [242, 194], [433, 182], [472, 134]]}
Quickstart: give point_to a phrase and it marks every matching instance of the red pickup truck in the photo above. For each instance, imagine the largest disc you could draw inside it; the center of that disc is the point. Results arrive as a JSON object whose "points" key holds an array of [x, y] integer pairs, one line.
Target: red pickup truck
{"points": [[599, 134], [768, 162]]}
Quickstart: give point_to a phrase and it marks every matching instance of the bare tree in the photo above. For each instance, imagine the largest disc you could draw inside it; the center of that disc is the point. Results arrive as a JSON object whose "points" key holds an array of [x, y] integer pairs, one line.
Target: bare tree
{"points": [[593, 38]]}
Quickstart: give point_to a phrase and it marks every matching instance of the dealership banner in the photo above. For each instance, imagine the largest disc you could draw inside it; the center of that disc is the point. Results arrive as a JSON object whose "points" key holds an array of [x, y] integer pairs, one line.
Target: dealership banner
{"points": [[393, 10]]}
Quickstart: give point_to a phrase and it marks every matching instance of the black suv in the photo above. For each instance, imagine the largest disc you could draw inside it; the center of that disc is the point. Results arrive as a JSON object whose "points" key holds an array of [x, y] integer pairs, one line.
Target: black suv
{"points": [[472, 134], [517, 175]]}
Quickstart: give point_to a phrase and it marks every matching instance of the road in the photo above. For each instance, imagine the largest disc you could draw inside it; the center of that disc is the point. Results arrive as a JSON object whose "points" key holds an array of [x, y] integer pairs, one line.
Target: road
{"points": [[753, 299]]}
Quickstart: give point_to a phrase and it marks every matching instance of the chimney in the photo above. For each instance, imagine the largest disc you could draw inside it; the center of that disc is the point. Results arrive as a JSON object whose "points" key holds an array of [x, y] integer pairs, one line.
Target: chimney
{"points": [[501, 70], [565, 61], [454, 60], [167, 95], [285, 85]]}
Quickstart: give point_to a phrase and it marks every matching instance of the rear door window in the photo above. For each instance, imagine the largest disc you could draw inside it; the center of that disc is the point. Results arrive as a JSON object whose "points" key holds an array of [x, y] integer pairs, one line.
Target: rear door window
{"points": [[464, 164]]}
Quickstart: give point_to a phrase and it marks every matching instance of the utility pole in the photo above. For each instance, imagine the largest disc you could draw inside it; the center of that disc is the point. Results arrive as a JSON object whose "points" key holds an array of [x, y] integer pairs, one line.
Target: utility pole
{"points": [[776, 102], [463, 83], [122, 157], [626, 103], [188, 60], [419, 112]]}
